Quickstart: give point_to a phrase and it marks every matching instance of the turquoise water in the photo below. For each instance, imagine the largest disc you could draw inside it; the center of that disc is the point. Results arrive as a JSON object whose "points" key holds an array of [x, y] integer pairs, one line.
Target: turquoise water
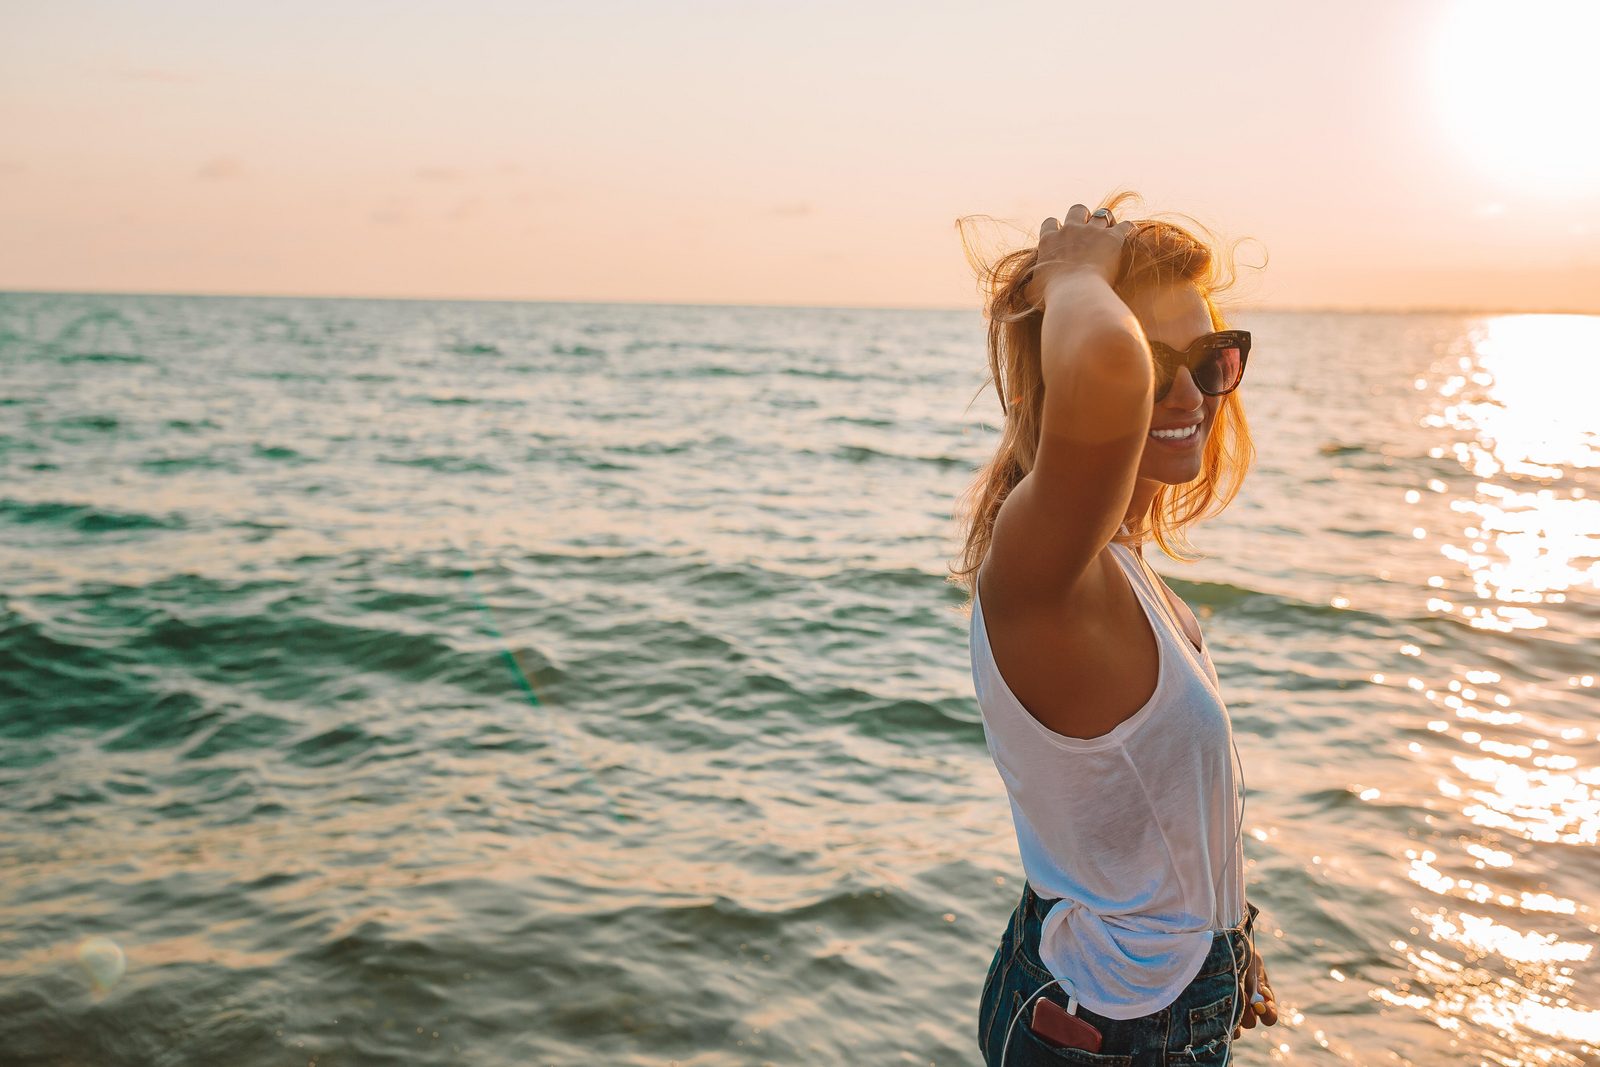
{"points": [[389, 682]]}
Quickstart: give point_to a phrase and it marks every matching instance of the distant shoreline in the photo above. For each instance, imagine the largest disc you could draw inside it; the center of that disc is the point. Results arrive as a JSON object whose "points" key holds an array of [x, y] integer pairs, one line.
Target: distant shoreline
{"points": [[1237, 309]]}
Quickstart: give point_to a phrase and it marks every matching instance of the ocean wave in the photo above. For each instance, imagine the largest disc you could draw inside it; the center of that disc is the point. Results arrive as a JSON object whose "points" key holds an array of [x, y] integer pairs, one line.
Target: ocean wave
{"points": [[175, 464], [279, 452], [445, 464], [85, 518], [39, 663], [101, 357], [867, 454], [91, 422]]}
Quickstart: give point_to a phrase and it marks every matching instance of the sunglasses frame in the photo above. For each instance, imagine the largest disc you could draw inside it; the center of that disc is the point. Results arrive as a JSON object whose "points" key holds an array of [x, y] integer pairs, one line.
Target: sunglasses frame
{"points": [[1169, 359]]}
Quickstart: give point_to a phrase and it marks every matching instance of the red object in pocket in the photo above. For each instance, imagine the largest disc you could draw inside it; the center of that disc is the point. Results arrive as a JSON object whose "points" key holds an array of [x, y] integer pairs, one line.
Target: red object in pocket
{"points": [[1059, 1027]]}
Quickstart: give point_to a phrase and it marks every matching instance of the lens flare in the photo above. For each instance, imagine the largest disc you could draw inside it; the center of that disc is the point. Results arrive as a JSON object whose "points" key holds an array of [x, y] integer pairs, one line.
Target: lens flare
{"points": [[103, 962]]}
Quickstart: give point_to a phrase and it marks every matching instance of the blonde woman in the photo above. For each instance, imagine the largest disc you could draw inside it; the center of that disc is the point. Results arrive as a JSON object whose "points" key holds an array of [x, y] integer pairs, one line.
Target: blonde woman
{"points": [[1133, 942]]}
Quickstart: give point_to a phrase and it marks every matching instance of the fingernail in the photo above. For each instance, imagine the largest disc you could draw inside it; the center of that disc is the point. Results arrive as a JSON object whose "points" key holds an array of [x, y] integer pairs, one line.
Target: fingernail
{"points": [[1261, 1009]]}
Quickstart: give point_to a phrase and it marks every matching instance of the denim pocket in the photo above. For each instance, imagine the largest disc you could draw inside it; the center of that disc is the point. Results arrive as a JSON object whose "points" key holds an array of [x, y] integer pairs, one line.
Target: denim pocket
{"points": [[1028, 1047], [1212, 1021]]}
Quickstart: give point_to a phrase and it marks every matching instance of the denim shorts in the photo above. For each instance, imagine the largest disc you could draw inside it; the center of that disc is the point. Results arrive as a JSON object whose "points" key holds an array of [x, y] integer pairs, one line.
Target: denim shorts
{"points": [[1194, 1029]]}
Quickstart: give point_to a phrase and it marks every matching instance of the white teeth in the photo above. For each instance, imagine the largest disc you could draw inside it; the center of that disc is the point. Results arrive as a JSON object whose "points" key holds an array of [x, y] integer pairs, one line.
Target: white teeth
{"points": [[1176, 435]]}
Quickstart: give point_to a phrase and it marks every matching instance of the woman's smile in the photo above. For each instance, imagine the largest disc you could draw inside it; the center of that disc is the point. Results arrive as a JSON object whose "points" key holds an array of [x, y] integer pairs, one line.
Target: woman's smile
{"points": [[1177, 438]]}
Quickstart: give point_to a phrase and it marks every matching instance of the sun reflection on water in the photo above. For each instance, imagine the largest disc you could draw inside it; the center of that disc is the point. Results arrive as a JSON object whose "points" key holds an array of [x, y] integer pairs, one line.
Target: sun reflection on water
{"points": [[1522, 408], [1518, 403]]}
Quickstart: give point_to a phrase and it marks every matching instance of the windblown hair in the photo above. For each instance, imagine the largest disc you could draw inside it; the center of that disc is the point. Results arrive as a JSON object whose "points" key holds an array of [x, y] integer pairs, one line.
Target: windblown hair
{"points": [[1156, 253]]}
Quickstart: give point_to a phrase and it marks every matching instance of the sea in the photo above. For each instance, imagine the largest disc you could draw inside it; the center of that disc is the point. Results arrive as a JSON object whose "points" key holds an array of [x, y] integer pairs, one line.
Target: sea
{"points": [[407, 682]]}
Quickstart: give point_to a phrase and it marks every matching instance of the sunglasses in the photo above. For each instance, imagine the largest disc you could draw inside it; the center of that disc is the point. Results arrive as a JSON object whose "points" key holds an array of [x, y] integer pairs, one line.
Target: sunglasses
{"points": [[1215, 361]]}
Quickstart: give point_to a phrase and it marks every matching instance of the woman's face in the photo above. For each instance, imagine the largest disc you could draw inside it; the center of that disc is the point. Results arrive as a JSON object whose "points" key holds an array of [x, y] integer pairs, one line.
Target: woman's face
{"points": [[1175, 315]]}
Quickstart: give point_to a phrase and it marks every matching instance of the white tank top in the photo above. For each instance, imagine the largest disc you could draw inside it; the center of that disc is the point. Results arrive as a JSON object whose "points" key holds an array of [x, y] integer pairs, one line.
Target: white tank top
{"points": [[1135, 830]]}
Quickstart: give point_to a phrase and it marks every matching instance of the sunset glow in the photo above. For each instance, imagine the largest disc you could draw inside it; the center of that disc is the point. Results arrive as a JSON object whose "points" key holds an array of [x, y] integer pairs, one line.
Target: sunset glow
{"points": [[1418, 155], [1517, 91]]}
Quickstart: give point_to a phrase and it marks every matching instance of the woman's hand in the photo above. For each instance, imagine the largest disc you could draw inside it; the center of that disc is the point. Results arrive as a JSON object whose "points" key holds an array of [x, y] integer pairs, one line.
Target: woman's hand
{"points": [[1077, 243], [1255, 982]]}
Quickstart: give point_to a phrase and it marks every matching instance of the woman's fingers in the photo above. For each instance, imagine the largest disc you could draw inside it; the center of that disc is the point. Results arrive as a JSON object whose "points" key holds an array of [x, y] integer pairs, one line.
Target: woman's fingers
{"points": [[1247, 1018], [1269, 1006], [1260, 1003], [1250, 1018], [1073, 244]]}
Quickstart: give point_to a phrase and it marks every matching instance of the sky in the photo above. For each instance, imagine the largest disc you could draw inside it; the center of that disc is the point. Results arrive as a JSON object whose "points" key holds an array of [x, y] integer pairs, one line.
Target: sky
{"points": [[1376, 154]]}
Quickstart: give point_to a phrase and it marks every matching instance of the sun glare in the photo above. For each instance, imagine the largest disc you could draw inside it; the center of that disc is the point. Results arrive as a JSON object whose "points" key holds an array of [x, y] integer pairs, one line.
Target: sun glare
{"points": [[1516, 88]]}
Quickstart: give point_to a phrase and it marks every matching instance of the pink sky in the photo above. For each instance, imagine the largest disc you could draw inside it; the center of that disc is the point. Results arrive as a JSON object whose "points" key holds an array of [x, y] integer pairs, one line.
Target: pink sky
{"points": [[1384, 155]]}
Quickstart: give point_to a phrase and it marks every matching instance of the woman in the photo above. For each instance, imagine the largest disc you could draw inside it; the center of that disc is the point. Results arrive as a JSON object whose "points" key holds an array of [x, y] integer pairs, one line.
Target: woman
{"points": [[1100, 703]]}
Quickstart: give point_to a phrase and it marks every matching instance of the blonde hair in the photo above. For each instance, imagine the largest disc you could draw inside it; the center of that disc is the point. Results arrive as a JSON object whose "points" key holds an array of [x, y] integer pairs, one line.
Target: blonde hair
{"points": [[1157, 253]]}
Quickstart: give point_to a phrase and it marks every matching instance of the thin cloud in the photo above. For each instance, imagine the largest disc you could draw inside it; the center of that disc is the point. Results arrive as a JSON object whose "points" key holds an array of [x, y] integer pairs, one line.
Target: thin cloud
{"points": [[12, 166], [388, 216], [437, 174], [220, 169], [798, 209]]}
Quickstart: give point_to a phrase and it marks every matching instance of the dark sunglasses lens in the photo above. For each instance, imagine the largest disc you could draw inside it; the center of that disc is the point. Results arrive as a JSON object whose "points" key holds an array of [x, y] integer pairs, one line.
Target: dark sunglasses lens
{"points": [[1220, 370]]}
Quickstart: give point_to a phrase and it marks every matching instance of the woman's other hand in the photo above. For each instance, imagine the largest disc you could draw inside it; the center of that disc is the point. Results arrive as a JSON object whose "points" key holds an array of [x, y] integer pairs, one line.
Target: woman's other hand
{"points": [[1255, 983]]}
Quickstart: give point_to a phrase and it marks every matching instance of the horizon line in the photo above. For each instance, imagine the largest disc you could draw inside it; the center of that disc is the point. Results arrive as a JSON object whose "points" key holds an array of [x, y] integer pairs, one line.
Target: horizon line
{"points": [[1245, 308]]}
